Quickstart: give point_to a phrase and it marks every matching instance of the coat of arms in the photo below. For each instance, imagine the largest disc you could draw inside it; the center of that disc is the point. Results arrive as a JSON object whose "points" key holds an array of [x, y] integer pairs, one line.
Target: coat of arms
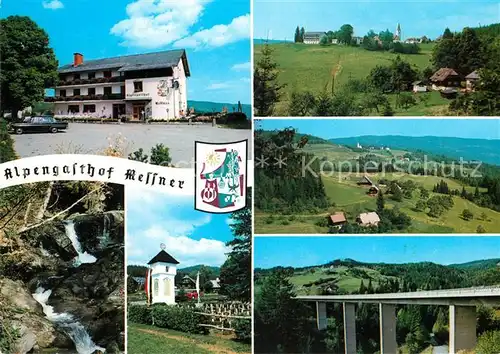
{"points": [[163, 88], [221, 176]]}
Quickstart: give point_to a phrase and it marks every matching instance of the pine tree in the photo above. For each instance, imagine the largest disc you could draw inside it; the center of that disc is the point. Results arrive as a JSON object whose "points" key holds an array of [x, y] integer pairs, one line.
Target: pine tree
{"points": [[235, 274], [302, 34], [447, 34], [464, 193], [297, 35], [380, 201], [476, 193], [266, 86], [369, 289], [362, 288]]}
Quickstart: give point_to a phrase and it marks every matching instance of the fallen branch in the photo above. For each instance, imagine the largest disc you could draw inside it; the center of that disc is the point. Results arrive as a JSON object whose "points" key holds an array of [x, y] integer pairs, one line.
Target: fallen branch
{"points": [[60, 213], [217, 327]]}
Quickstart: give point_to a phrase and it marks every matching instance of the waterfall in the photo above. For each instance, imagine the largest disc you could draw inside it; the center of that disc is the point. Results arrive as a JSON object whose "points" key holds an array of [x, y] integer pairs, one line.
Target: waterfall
{"points": [[65, 321], [83, 257]]}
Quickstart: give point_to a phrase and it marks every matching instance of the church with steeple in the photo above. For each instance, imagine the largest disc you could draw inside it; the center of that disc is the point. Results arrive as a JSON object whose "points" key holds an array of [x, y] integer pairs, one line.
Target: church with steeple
{"points": [[397, 35]]}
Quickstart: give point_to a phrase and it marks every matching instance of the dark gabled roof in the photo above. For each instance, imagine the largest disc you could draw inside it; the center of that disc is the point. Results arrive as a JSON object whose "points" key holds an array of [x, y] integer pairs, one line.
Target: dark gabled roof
{"points": [[158, 60], [442, 74], [314, 34], [163, 257]]}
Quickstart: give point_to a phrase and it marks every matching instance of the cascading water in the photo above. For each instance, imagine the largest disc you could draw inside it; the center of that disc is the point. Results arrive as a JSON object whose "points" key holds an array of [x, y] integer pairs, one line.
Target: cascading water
{"points": [[83, 257], [65, 321]]}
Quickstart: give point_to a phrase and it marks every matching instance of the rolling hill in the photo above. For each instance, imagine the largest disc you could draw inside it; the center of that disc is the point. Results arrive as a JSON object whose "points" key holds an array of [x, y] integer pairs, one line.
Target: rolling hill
{"points": [[345, 276], [470, 149]]}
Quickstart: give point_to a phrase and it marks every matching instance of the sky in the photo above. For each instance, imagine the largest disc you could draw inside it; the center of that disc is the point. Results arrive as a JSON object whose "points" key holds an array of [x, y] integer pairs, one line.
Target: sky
{"points": [[215, 34], [190, 236], [277, 19], [309, 250], [345, 128]]}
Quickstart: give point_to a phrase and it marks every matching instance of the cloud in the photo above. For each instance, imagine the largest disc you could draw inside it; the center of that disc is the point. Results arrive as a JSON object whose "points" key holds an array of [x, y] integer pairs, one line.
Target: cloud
{"points": [[241, 66], [230, 84], [155, 218], [218, 35], [156, 23], [186, 250], [52, 4], [219, 86]]}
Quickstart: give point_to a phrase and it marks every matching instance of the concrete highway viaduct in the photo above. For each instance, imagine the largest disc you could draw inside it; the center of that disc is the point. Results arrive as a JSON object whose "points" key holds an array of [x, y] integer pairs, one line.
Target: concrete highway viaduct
{"points": [[462, 304]]}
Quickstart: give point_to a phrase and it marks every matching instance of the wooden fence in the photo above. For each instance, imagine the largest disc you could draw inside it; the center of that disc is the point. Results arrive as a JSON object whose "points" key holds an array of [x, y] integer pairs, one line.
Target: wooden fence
{"points": [[222, 316]]}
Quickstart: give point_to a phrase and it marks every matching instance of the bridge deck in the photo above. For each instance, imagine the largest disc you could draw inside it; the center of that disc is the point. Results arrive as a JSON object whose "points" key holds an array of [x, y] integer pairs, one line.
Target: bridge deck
{"points": [[463, 297]]}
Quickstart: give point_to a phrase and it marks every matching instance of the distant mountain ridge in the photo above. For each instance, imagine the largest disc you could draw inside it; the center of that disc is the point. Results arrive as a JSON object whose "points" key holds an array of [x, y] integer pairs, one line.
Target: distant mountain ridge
{"points": [[209, 107], [472, 265], [484, 150]]}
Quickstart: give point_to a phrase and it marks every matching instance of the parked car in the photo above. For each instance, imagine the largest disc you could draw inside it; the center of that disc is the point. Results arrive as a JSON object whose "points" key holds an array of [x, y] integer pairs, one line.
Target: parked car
{"points": [[193, 295], [39, 124]]}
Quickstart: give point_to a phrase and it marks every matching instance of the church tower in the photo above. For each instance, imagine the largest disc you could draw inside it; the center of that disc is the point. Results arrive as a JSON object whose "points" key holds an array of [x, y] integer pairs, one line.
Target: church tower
{"points": [[397, 36], [162, 270]]}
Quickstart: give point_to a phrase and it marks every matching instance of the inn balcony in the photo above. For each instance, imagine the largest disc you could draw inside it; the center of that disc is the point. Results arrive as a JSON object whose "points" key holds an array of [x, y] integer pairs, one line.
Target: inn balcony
{"points": [[97, 80], [113, 96]]}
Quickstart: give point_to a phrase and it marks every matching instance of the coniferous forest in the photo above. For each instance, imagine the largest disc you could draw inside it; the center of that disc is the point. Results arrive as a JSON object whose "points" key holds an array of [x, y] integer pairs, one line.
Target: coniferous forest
{"points": [[287, 178]]}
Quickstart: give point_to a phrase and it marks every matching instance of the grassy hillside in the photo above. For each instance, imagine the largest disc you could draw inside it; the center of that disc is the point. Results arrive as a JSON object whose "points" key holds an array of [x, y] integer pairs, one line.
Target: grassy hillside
{"points": [[311, 67], [342, 189], [474, 149], [346, 276]]}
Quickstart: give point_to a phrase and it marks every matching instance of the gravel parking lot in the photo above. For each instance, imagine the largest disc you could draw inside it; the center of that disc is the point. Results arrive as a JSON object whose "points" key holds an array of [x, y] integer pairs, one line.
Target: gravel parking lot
{"points": [[93, 138]]}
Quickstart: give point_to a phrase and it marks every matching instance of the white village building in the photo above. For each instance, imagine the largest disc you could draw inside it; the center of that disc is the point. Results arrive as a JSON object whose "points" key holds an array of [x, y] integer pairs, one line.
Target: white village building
{"points": [[140, 87], [162, 269]]}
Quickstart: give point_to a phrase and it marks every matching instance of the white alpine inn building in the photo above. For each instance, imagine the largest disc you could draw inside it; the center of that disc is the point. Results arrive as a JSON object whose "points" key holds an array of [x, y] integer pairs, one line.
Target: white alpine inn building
{"points": [[138, 87], [163, 269]]}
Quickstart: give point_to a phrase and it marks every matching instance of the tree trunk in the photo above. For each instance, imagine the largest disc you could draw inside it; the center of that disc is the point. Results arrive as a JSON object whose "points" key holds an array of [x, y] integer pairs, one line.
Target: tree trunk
{"points": [[45, 203]]}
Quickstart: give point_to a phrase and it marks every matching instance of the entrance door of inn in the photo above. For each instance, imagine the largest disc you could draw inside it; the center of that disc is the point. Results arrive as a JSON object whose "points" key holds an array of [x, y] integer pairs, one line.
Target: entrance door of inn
{"points": [[137, 112]]}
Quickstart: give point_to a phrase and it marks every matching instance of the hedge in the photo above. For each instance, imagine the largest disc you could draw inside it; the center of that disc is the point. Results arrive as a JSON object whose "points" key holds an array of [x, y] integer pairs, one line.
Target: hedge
{"points": [[177, 318], [243, 330], [7, 152], [139, 314]]}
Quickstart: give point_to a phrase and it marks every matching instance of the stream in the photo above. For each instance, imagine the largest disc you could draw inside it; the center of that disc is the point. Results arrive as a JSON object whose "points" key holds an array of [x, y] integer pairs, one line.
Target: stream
{"points": [[73, 328], [65, 321]]}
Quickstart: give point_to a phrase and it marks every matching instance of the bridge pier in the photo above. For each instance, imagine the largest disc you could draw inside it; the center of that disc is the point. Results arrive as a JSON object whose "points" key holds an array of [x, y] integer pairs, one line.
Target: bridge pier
{"points": [[321, 318], [462, 328], [350, 328], [388, 344]]}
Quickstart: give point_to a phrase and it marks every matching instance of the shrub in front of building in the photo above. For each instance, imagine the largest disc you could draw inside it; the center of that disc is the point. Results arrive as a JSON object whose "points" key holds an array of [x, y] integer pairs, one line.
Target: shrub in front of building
{"points": [[178, 318], [139, 314]]}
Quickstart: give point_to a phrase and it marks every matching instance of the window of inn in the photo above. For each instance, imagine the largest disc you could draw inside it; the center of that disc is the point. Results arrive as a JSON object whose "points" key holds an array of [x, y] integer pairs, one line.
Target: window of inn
{"points": [[76, 92], [62, 93], [76, 77], [91, 76], [91, 91], [137, 86], [107, 74], [89, 108], [73, 109], [107, 90]]}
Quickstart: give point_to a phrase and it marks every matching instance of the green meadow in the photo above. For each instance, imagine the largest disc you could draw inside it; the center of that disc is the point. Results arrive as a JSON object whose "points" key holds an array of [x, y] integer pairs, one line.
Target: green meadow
{"points": [[348, 197], [311, 67]]}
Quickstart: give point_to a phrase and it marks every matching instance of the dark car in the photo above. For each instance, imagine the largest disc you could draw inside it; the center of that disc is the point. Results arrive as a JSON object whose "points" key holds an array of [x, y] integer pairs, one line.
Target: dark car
{"points": [[39, 124]]}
